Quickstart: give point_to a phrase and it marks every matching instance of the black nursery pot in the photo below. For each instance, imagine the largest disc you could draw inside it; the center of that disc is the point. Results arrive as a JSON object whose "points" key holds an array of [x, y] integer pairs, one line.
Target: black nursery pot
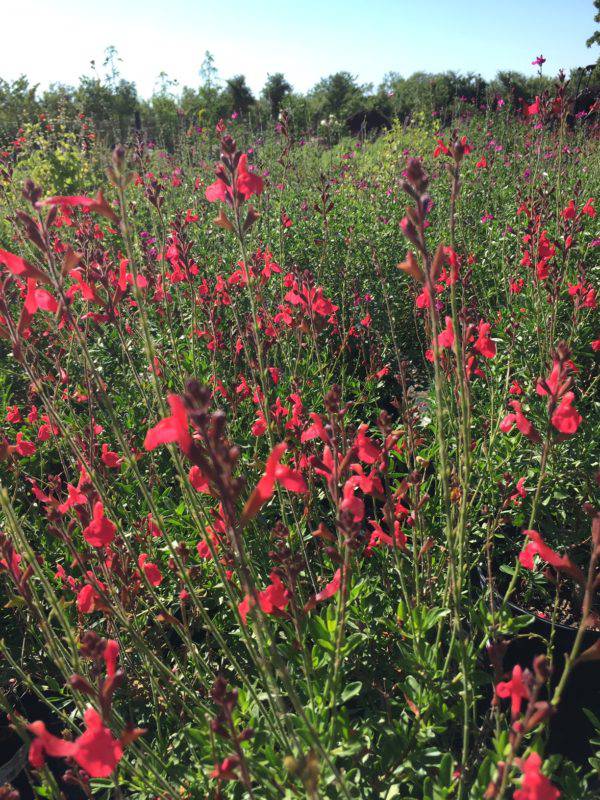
{"points": [[570, 728], [14, 754]]}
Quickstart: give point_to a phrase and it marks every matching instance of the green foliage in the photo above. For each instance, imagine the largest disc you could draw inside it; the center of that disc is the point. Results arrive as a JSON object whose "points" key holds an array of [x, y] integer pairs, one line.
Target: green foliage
{"points": [[373, 679]]}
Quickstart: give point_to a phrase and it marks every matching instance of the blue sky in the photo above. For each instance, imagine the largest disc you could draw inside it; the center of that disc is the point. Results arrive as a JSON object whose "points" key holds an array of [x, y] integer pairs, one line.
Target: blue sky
{"points": [[55, 40]]}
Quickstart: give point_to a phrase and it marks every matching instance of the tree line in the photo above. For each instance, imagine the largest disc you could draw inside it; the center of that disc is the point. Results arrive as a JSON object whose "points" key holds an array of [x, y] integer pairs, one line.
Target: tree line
{"points": [[113, 106]]}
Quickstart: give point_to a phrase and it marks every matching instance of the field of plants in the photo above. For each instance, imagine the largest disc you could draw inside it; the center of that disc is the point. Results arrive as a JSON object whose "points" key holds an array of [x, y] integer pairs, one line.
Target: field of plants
{"points": [[299, 461]]}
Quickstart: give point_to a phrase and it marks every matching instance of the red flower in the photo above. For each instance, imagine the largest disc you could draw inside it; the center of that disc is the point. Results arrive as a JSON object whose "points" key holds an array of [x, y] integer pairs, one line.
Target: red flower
{"points": [[45, 744], [515, 388], [91, 204], [484, 345], [13, 415], [23, 447], [537, 546], [516, 689], [523, 424], [275, 597], [274, 471], [330, 590], [367, 451], [198, 480], [87, 597], [440, 148], [225, 770], [351, 502], [109, 458], [379, 536], [589, 209], [36, 300], [171, 429], [520, 493], [566, 418], [446, 337], [75, 498], [272, 600], [101, 531], [535, 786], [259, 426], [247, 184], [314, 431], [111, 656], [96, 750], [151, 571], [21, 268], [570, 212]]}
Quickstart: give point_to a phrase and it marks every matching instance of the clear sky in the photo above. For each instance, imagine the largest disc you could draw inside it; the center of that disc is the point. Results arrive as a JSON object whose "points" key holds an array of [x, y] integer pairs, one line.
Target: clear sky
{"points": [[55, 40]]}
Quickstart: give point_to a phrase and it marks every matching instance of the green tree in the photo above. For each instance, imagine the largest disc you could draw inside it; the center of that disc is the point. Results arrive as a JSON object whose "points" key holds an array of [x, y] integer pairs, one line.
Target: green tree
{"points": [[274, 92], [239, 94], [18, 104], [595, 37], [338, 94]]}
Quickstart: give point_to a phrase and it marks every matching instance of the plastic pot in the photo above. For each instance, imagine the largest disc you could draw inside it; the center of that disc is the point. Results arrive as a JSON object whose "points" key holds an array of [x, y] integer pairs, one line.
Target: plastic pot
{"points": [[570, 729]]}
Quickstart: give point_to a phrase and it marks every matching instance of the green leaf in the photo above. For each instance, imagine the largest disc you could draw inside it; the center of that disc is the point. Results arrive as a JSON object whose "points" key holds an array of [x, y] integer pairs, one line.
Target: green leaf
{"points": [[351, 690]]}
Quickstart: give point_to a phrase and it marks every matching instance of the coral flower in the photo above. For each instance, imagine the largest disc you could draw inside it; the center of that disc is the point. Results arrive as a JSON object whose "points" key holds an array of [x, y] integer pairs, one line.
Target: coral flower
{"points": [[171, 429], [96, 750], [101, 531]]}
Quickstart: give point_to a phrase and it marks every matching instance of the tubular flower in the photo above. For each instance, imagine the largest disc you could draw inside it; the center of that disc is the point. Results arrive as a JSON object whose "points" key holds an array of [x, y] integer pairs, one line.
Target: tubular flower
{"points": [[289, 478], [537, 546], [247, 184], [535, 786], [272, 600], [171, 429], [516, 688], [446, 337], [566, 418], [331, 589], [96, 750], [484, 345], [101, 531]]}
